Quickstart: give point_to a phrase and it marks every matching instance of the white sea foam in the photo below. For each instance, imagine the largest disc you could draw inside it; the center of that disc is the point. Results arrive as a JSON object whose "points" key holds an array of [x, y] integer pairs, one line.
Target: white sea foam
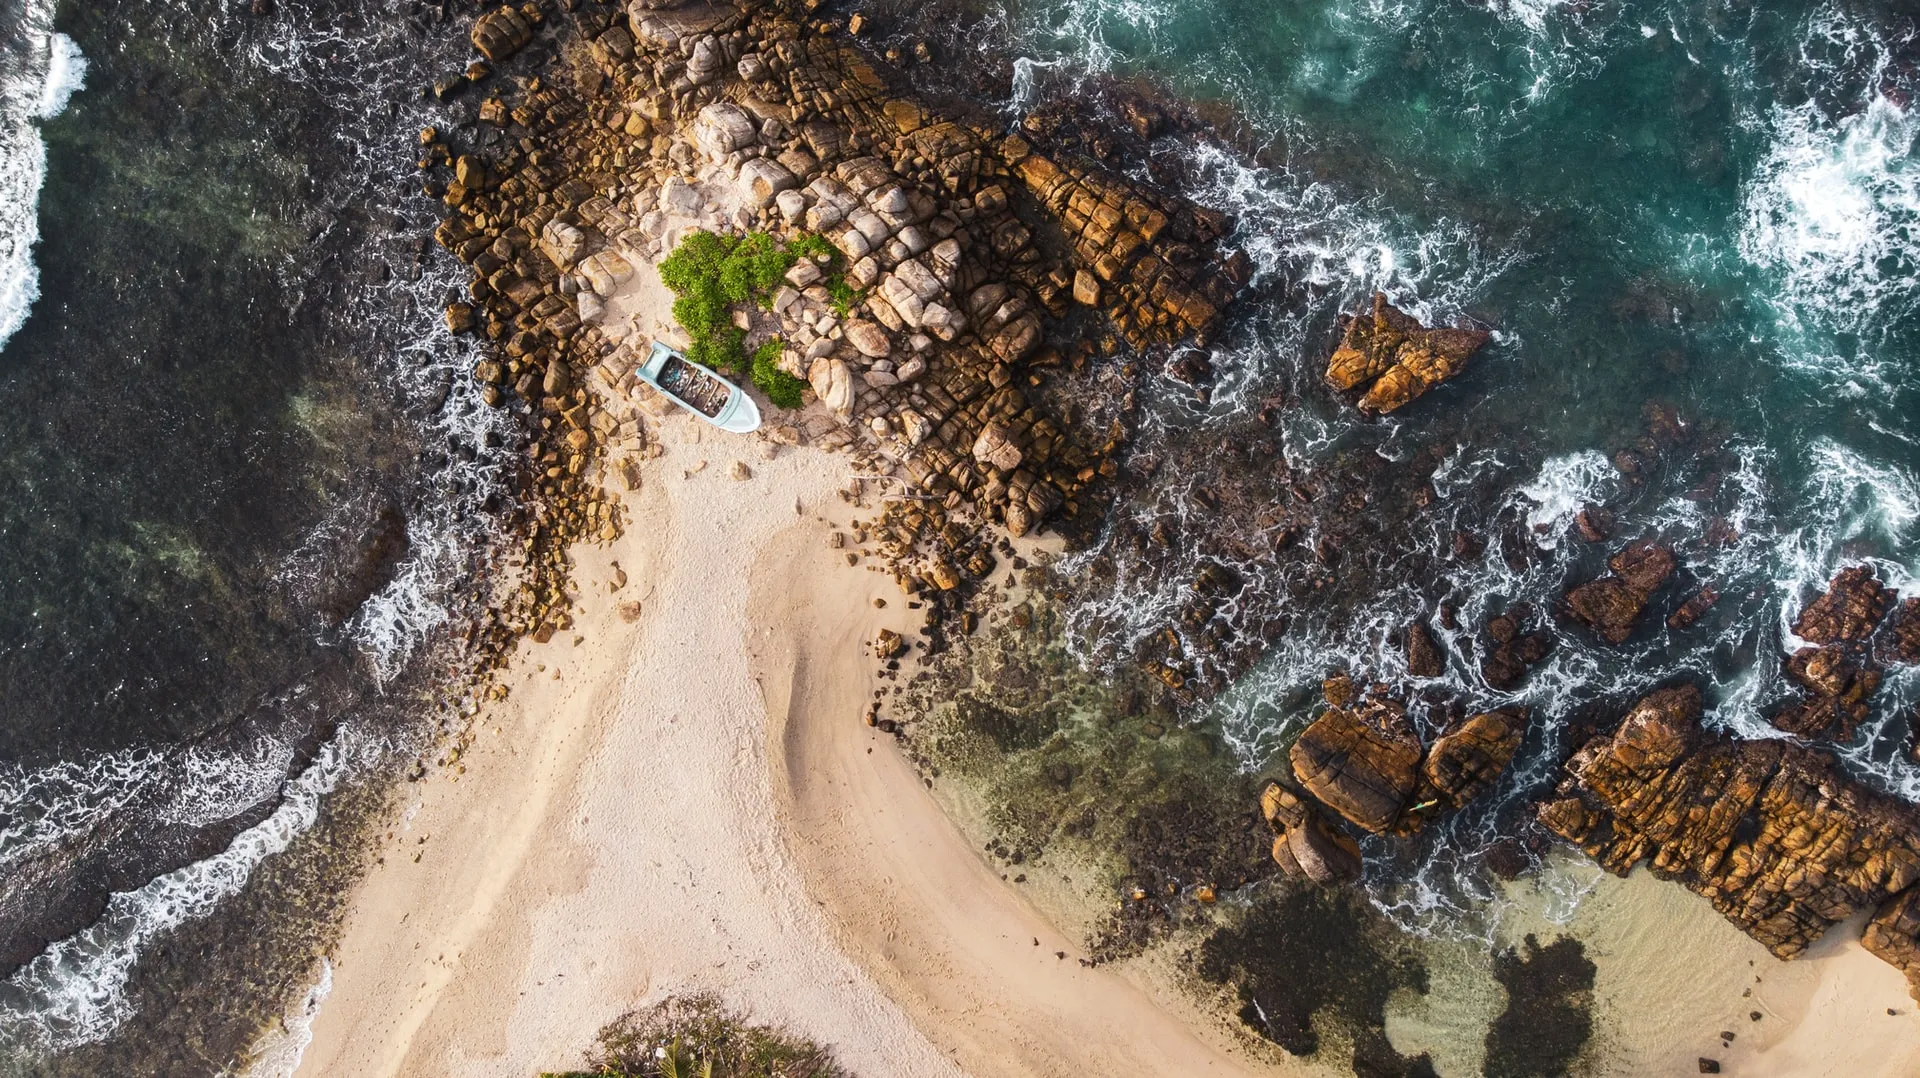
{"points": [[60, 801], [1831, 214], [1565, 484], [278, 1054], [51, 71], [72, 993]]}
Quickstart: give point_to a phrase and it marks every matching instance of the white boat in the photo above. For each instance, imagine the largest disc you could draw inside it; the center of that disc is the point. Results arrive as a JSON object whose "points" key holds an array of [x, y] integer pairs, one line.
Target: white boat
{"points": [[700, 390]]}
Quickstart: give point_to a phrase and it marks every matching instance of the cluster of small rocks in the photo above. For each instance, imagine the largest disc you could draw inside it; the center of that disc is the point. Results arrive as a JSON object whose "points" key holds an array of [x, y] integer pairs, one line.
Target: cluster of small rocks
{"points": [[963, 252]]}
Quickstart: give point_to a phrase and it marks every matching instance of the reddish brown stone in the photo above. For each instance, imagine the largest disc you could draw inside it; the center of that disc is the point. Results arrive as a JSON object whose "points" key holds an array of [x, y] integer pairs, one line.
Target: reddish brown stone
{"points": [[1852, 605], [1693, 609], [1396, 354], [1362, 763], [1465, 763], [1424, 657], [1779, 840], [1610, 604]]}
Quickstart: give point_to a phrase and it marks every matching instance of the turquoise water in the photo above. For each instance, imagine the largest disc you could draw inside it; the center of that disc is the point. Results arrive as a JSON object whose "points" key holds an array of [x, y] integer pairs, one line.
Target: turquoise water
{"points": [[1710, 210]]}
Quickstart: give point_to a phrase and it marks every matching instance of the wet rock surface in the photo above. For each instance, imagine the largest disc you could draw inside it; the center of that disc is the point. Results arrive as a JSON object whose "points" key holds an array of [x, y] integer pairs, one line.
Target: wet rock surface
{"points": [[1395, 358], [1361, 762], [1779, 840], [1611, 605], [1839, 674]]}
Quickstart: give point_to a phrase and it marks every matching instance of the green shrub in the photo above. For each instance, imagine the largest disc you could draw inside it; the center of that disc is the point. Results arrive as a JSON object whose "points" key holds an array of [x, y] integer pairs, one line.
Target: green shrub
{"points": [[841, 294], [781, 388], [696, 1037], [709, 273]]}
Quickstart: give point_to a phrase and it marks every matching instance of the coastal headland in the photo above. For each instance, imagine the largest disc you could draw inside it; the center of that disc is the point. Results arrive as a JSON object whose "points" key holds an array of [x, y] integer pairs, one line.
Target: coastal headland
{"points": [[786, 718]]}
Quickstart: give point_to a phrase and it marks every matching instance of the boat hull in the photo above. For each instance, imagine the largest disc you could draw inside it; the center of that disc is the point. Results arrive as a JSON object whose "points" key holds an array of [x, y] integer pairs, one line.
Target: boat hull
{"points": [[700, 390]]}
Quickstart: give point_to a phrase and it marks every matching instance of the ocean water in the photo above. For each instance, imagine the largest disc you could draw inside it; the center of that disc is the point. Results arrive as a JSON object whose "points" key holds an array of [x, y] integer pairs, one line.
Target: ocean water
{"points": [[240, 482], [1706, 208]]}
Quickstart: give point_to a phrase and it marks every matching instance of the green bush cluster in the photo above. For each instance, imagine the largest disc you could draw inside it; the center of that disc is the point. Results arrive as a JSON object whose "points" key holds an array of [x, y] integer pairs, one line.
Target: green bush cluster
{"points": [[696, 1037], [709, 273]]}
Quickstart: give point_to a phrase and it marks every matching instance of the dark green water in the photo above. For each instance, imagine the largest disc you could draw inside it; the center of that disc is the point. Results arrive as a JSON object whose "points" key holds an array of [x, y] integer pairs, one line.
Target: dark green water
{"points": [[239, 487]]}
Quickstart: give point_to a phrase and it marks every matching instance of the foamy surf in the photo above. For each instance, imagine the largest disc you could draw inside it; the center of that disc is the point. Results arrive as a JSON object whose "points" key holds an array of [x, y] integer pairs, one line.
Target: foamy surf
{"points": [[38, 75], [73, 992]]}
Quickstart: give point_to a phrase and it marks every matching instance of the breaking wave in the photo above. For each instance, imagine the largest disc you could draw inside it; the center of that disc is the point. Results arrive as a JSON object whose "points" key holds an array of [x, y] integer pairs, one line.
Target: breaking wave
{"points": [[72, 993], [39, 71]]}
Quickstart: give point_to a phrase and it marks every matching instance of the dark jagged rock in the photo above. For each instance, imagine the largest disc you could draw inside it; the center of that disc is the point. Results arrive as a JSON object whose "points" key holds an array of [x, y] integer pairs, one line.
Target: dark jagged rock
{"points": [[1424, 657], [1594, 524], [1396, 357], [1465, 763], [1514, 651], [1693, 609], [1772, 833], [1361, 762], [1838, 675], [1840, 683], [1611, 604], [1903, 644], [1849, 609]]}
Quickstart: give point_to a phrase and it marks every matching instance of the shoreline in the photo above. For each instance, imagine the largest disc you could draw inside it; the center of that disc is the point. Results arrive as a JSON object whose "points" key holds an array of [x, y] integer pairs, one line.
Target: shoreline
{"points": [[525, 887]]}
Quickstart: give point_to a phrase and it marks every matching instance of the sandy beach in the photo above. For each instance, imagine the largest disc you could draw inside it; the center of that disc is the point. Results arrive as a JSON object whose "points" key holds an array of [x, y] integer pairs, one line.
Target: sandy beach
{"points": [[691, 802]]}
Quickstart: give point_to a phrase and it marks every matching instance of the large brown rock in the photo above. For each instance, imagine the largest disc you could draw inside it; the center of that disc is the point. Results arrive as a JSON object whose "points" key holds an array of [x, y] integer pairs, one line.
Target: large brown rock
{"points": [[1894, 936], [1779, 840], [1424, 657], [1401, 358], [1853, 604], [1465, 763], [1305, 845], [1611, 604], [1362, 763], [500, 33]]}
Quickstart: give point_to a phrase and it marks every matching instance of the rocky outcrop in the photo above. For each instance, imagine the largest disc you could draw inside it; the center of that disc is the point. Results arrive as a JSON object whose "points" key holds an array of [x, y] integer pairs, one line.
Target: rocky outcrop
{"points": [[1395, 357], [1611, 604], [502, 32], [1305, 845], [1838, 673], [1847, 611], [1893, 935], [1361, 762], [1779, 840], [1903, 643], [1510, 650], [1464, 763], [1424, 657]]}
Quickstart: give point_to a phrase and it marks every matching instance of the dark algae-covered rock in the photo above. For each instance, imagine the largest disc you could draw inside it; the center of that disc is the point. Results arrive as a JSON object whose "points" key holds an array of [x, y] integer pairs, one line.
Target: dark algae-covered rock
{"points": [[1549, 1013], [1610, 605], [1309, 959], [1838, 673]]}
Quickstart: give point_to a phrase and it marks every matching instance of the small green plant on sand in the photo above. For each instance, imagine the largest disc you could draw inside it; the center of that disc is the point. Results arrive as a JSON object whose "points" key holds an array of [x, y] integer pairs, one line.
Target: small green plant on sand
{"points": [[696, 1037], [709, 274]]}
